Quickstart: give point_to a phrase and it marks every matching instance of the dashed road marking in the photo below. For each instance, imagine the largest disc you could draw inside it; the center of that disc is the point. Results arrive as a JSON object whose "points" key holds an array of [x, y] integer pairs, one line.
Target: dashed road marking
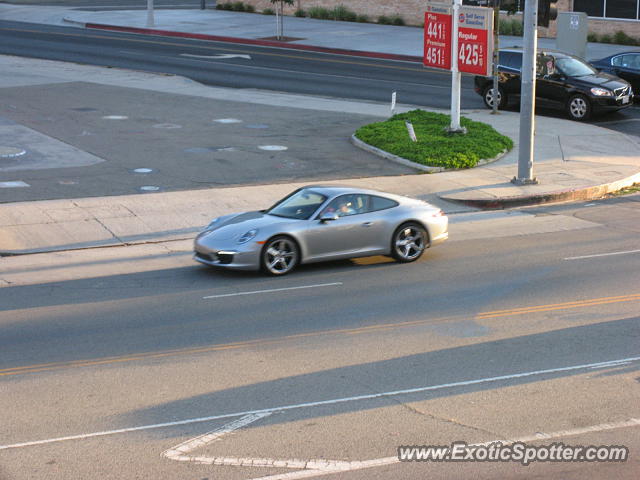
{"points": [[14, 184], [273, 148], [595, 255], [228, 120], [271, 290]]}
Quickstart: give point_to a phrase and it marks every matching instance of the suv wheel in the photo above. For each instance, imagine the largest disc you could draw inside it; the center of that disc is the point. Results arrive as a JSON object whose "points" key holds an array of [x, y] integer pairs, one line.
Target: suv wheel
{"points": [[579, 107], [488, 97]]}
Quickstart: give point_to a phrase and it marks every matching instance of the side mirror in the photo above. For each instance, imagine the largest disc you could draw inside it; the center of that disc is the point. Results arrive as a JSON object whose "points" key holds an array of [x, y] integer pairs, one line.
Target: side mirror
{"points": [[328, 217]]}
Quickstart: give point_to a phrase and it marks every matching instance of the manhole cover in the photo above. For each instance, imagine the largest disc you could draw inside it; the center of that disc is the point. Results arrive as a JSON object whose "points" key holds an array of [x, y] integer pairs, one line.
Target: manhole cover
{"points": [[149, 188], [115, 117], [11, 152], [143, 170]]}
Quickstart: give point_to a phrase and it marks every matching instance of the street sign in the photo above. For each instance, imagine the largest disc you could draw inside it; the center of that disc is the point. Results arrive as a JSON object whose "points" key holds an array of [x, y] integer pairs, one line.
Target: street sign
{"points": [[475, 40], [437, 36]]}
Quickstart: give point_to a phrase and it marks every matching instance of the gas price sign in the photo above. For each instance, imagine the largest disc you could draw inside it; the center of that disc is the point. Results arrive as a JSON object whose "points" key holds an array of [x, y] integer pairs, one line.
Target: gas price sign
{"points": [[475, 41], [437, 37]]}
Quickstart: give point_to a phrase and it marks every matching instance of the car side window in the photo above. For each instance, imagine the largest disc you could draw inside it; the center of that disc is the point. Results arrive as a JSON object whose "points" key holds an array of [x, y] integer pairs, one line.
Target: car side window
{"points": [[515, 61], [545, 65], [380, 203], [345, 205], [503, 58], [626, 61]]}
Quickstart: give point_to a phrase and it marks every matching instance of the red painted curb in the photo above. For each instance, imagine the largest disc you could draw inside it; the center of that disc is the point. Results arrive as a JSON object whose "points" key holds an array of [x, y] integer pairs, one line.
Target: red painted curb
{"points": [[249, 41]]}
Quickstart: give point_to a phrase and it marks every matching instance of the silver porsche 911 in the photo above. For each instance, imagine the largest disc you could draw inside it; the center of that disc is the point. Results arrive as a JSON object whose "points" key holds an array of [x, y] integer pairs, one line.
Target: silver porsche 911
{"points": [[317, 223]]}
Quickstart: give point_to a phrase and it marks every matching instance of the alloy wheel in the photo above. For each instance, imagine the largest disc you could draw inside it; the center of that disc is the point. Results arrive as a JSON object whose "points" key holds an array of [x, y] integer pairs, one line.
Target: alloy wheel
{"points": [[280, 256], [578, 107], [409, 243]]}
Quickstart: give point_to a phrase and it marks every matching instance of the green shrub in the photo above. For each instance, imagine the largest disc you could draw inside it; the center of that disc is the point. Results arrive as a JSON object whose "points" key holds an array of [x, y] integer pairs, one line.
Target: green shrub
{"points": [[320, 12], [517, 29], [384, 20], [397, 20], [300, 13], [227, 6], [505, 27], [218, 6], [237, 7], [621, 38], [342, 13], [249, 8], [605, 38], [362, 19], [268, 11], [592, 37], [435, 147]]}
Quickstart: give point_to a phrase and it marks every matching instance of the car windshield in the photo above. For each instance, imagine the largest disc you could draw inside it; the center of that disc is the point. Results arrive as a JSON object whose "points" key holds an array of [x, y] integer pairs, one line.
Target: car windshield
{"points": [[572, 67], [301, 205]]}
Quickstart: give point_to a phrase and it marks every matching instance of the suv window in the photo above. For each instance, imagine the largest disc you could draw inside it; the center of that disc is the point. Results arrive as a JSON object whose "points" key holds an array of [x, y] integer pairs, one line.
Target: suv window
{"points": [[545, 65], [513, 60], [503, 58]]}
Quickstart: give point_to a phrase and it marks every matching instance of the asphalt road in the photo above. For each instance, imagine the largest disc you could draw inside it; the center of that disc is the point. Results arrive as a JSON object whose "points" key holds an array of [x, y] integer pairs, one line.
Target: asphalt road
{"points": [[108, 339], [268, 68], [524, 326]]}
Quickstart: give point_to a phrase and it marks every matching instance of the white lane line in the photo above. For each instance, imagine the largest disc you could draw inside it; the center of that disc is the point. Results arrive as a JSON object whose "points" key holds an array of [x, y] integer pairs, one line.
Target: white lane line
{"points": [[179, 452], [324, 402], [378, 462], [271, 290], [222, 56], [627, 252]]}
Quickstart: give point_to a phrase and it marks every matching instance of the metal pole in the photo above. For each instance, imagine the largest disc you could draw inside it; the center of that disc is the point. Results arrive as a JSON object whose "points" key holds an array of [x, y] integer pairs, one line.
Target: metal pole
{"points": [[150, 20], [528, 95], [496, 48], [455, 74], [278, 19], [202, 5]]}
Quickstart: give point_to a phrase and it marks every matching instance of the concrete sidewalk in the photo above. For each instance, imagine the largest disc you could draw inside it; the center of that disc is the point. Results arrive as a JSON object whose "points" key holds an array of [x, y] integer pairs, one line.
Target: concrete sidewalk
{"points": [[572, 160]]}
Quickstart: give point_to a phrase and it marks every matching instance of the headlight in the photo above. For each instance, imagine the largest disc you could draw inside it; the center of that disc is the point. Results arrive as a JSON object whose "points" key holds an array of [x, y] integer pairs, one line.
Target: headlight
{"points": [[601, 92], [248, 236]]}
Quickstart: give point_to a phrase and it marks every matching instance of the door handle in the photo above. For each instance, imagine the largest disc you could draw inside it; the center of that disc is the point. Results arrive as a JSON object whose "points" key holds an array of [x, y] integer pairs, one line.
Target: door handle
{"points": [[367, 224]]}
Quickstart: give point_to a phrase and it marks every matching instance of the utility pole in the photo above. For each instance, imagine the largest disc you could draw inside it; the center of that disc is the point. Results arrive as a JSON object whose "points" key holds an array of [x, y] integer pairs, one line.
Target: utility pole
{"points": [[456, 76], [496, 57], [528, 95], [150, 19]]}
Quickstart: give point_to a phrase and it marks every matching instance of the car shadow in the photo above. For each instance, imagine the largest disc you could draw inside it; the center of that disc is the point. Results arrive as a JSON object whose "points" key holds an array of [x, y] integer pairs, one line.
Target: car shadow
{"points": [[456, 370]]}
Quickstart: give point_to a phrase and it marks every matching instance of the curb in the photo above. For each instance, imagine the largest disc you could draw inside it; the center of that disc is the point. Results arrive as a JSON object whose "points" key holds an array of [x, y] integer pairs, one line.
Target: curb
{"points": [[249, 41], [150, 240], [411, 164], [578, 194]]}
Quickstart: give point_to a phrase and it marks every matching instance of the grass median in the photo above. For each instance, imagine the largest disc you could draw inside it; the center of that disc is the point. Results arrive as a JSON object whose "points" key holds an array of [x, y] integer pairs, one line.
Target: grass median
{"points": [[435, 147]]}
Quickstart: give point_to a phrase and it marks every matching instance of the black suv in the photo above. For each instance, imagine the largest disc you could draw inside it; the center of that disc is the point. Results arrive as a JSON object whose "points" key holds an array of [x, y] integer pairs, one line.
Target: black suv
{"points": [[563, 81]]}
